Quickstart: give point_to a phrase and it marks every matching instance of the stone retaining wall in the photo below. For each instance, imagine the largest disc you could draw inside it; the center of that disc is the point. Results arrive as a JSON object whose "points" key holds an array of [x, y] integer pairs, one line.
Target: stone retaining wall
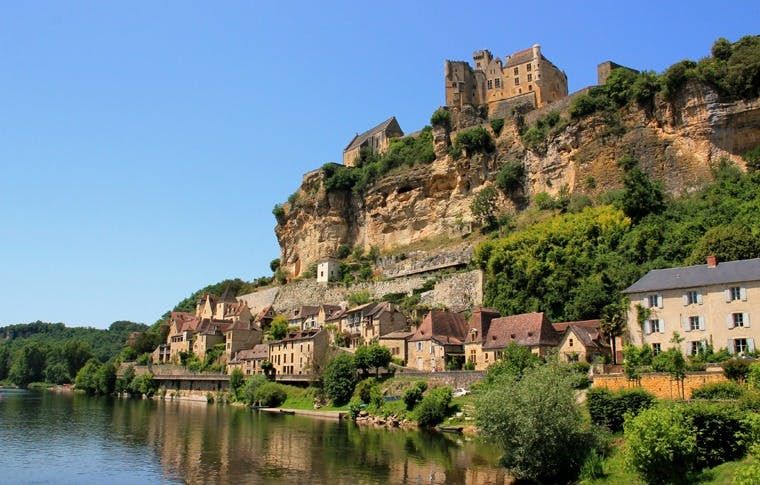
{"points": [[455, 379], [457, 291], [661, 385]]}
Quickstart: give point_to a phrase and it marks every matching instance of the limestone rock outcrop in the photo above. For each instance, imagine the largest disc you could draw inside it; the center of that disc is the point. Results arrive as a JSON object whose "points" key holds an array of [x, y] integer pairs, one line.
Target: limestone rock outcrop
{"points": [[676, 142]]}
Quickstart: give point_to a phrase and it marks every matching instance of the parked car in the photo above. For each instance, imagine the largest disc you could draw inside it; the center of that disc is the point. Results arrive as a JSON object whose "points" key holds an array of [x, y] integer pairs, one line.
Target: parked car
{"points": [[460, 392]]}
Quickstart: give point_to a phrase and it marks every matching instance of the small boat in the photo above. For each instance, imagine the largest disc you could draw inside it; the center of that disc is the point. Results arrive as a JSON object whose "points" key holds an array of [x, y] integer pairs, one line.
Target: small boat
{"points": [[286, 411], [450, 429]]}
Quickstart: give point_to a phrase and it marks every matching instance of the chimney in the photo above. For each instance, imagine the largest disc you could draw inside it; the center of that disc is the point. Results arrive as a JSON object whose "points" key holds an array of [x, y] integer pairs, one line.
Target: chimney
{"points": [[712, 261]]}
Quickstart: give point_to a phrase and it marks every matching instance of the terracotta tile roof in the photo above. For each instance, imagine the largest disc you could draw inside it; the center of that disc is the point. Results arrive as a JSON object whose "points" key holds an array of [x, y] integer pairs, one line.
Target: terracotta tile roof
{"points": [[234, 309], [330, 309], [185, 322], [562, 326], [259, 351], [299, 335], [480, 322], [527, 329], [213, 327], [263, 313], [443, 327], [366, 308], [402, 335]]}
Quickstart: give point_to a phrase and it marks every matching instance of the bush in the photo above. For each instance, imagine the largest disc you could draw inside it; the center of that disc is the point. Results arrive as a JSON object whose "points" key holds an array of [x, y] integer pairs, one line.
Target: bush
{"points": [[237, 380], [510, 176], [474, 140], [343, 251], [483, 206], [339, 379], [354, 408], [413, 395], [719, 429], [753, 375], [609, 409], [434, 407], [544, 201], [270, 394], [247, 393], [661, 444], [515, 361], [718, 390], [497, 125], [736, 369], [441, 118], [143, 385], [364, 389], [279, 213], [538, 424]]}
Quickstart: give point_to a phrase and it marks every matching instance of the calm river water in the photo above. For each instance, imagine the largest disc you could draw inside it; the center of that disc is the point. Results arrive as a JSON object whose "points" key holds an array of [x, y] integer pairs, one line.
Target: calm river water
{"points": [[64, 438]]}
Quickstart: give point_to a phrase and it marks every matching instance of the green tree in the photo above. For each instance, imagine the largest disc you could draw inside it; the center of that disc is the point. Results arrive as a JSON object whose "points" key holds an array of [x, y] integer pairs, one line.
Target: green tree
{"points": [[105, 379], [5, 360], [278, 329], [727, 243], [237, 379], [378, 356], [144, 384], [483, 206], [123, 383], [537, 423], [434, 407], [441, 118], [339, 379], [57, 373], [251, 385], [641, 196], [28, 364], [274, 265], [613, 322], [86, 379], [515, 360], [76, 354]]}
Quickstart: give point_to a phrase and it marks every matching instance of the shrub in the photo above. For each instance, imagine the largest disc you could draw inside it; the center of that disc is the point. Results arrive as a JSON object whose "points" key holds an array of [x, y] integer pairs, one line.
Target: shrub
{"points": [[364, 389], [609, 409], [515, 361], [441, 118], [354, 408], [143, 385], [718, 432], [248, 391], [340, 378], [359, 298], [538, 424], [343, 251], [279, 213], [413, 395], [718, 390], [474, 140], [270, 394], [497, 125], [544, 201], [237, 379], [483, 206], [434, 407], [736, 369], [510, 176], [753, 375], [661, 444]]}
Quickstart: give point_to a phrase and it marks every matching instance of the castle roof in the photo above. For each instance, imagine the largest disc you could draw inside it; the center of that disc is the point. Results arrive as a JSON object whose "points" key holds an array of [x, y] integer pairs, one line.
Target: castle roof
{"points": [[358, 140]]}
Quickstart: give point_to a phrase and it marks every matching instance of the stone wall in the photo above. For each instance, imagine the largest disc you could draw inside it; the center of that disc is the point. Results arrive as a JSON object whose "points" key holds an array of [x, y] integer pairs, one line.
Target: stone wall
{"points": [[457, 291], [659, 384], [455, 379], [413, 262], [559, 105]]}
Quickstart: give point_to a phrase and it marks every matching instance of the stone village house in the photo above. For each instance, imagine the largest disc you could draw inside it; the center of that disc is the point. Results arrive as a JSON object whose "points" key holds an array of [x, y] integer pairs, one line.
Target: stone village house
{"points": [[713, 303]]}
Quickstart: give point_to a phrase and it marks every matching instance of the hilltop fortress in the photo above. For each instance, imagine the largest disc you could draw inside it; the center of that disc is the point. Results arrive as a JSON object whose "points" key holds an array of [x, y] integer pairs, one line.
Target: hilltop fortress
{"points": [[523, 78]]}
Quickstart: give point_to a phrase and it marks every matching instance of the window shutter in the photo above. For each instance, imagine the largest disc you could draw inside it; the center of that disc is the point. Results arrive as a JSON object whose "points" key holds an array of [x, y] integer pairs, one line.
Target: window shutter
{"points": [[751, 345], [730, 321], [730, 346], [743, 293], [685, 324], [745, 319], [645, 302], [662, 326], [700, 300], [647, 328], [685, 299], [659, 301], [728, 295], [701, 323], [686, 348]]}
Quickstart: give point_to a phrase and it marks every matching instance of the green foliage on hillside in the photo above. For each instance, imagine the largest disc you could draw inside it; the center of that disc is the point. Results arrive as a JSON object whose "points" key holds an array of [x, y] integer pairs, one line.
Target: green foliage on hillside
{"points": [[473, 140], [733, 70], [407, 151], [573, 265]]}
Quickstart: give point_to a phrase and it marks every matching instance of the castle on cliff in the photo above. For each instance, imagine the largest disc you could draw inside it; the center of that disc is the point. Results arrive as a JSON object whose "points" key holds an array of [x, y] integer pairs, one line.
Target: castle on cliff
{"points": [[523, 78]]}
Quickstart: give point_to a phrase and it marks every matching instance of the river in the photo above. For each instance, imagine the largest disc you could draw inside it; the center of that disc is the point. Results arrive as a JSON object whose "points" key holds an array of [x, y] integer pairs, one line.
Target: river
{"points": [[69, 438]]}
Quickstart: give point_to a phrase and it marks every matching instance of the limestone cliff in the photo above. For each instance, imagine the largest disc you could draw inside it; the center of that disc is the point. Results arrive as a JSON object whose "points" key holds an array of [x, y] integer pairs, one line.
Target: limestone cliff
{"points": [[676, 142]]}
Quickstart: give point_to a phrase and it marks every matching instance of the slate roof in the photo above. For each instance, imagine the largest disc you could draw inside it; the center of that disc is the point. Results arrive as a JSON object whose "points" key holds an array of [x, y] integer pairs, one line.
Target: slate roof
{"points": [[443, 327], [527, 329], [305, 311], [696, 276], [299, 335], [361, 138]]}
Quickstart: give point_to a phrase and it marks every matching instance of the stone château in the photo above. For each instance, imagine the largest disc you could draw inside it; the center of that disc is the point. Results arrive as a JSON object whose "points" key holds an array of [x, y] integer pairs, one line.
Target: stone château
{"points": [[523, 78]]}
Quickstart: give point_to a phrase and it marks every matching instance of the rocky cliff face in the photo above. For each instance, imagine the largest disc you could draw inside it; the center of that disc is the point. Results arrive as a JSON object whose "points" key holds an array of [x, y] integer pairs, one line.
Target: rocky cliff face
{"points": [[675, 141]]}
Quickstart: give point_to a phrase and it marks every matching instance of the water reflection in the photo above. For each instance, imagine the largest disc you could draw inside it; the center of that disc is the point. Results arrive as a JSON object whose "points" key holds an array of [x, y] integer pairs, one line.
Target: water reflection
{"points": [[200, 443]]}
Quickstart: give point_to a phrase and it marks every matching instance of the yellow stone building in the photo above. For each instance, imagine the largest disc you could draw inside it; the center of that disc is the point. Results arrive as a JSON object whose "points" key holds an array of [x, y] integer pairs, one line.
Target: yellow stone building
{"points": [[526, 77]]}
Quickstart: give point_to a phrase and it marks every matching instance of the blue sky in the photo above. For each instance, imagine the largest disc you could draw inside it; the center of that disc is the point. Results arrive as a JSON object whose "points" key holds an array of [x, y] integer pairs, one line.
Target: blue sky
{"points": [[143, 144]]}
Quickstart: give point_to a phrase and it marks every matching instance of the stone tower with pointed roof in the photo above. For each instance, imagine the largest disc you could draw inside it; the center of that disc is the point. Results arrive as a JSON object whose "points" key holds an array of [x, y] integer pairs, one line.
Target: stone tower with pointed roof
{"points": [[376, 140]]}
